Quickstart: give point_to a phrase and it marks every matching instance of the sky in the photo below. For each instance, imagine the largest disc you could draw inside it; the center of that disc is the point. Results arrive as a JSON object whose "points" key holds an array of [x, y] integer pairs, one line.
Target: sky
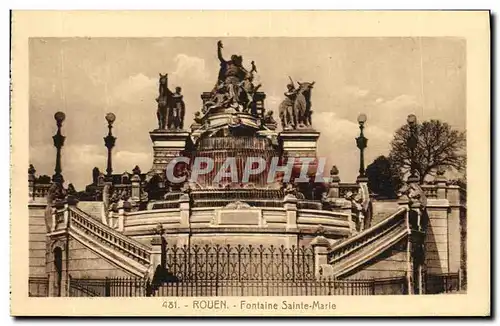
{"points": [[385, 78]]}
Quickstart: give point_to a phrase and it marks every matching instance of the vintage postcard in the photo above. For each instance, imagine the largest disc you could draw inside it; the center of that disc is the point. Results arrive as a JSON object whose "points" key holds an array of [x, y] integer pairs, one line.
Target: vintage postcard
{"points": [[250, 163]]}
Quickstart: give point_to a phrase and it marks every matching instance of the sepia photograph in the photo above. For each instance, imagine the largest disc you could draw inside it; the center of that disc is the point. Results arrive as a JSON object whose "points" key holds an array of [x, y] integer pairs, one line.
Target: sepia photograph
{"points": [[259, 167]]}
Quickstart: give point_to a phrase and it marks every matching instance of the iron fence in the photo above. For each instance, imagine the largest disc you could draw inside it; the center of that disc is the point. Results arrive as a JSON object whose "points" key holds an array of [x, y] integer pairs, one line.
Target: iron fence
{"points": [[390, 286], [108, 287], [210, 288], [442, 283], [38, 287], [240, 263], [135, 287]]}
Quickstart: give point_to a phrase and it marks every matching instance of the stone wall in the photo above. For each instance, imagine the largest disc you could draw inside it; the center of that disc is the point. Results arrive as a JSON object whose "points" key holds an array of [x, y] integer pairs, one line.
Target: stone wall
{"points": [[436, 241], [84, 262], [391, 263], [37, 240]]}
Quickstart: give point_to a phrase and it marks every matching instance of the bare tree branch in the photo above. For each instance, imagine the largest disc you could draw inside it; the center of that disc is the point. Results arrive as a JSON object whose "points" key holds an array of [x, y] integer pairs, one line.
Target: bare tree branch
{"points": [[438, 146]]}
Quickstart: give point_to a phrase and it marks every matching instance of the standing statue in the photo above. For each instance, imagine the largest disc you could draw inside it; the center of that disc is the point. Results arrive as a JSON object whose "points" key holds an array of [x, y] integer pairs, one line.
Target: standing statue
{"points": [[179, 109], [249, 91], [236, 80], [286, 112], [232, 71]]}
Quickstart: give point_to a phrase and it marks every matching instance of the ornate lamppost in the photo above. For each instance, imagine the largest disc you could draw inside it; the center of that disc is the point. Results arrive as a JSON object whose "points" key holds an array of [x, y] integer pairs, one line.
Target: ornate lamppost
{"points": [[412, 142], [109, 142], [362, 143], [58, 144]]}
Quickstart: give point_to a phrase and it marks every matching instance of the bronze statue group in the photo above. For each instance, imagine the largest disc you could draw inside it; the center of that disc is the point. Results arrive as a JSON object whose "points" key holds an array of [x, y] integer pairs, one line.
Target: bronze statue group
{"points": [[235, 90]]}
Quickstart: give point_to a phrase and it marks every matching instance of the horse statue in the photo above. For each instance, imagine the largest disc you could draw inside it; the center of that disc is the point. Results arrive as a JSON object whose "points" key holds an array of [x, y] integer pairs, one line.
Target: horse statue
{"points": [[302, 104], [162, 100], [295, 110]]}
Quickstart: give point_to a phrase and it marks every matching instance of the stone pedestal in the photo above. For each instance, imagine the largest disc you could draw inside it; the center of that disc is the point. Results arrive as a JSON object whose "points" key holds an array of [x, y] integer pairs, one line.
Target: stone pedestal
{"points": [[167, 144], [320, 246], [158, 256], [299, 143], [136, 188], [184, 205], [290, 205]]}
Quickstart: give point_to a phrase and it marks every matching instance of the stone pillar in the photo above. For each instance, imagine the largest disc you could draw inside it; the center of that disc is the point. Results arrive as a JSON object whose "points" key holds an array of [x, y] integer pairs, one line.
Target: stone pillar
{"points": [[454, 229], [441, 185], [156, 244], [119, 223], [31, 182], [416, 248], [320, 246], [66, 215], [167, 145], [185, 211], [297, 143], [136, 188], [53, 215], [290, 205], [334, 191], [404, 201]]}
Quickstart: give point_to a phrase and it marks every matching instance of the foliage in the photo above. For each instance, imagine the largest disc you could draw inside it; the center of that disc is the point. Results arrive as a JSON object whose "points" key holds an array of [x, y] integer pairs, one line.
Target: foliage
{"points": [[43, 179], [383, 178], [439, 146]]}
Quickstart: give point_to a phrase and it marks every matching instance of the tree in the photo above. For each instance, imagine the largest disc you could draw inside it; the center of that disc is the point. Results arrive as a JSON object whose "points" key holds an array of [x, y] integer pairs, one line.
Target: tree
{"points": [[43, 179], [438, 147], [383, 178]]}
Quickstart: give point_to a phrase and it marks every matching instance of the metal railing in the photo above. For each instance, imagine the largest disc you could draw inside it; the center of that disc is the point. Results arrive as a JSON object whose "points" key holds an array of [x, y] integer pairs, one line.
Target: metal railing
{"points": [[203, 288], [108, 287], [240, 263], [136, 287], [442, 283]]}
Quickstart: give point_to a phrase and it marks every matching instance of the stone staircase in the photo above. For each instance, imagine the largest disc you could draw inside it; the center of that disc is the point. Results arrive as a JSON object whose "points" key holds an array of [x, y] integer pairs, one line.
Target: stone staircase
{"points": [[130, 255], [356, 251], [92, 208], [382, 209]]}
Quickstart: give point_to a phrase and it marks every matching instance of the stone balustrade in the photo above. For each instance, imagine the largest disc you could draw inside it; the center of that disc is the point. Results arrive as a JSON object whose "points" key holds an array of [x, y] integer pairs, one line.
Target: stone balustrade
{"points": [[344, 188], [358, 241], [40, 190], [131, 248], [431, 191]]}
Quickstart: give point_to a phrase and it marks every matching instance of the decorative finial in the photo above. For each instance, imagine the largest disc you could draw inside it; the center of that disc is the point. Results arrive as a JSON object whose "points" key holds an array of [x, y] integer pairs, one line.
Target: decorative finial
{"points": [[59, 117], [411, 119], [110, 117], [362, 118], [136, 170], [159, 229]]}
